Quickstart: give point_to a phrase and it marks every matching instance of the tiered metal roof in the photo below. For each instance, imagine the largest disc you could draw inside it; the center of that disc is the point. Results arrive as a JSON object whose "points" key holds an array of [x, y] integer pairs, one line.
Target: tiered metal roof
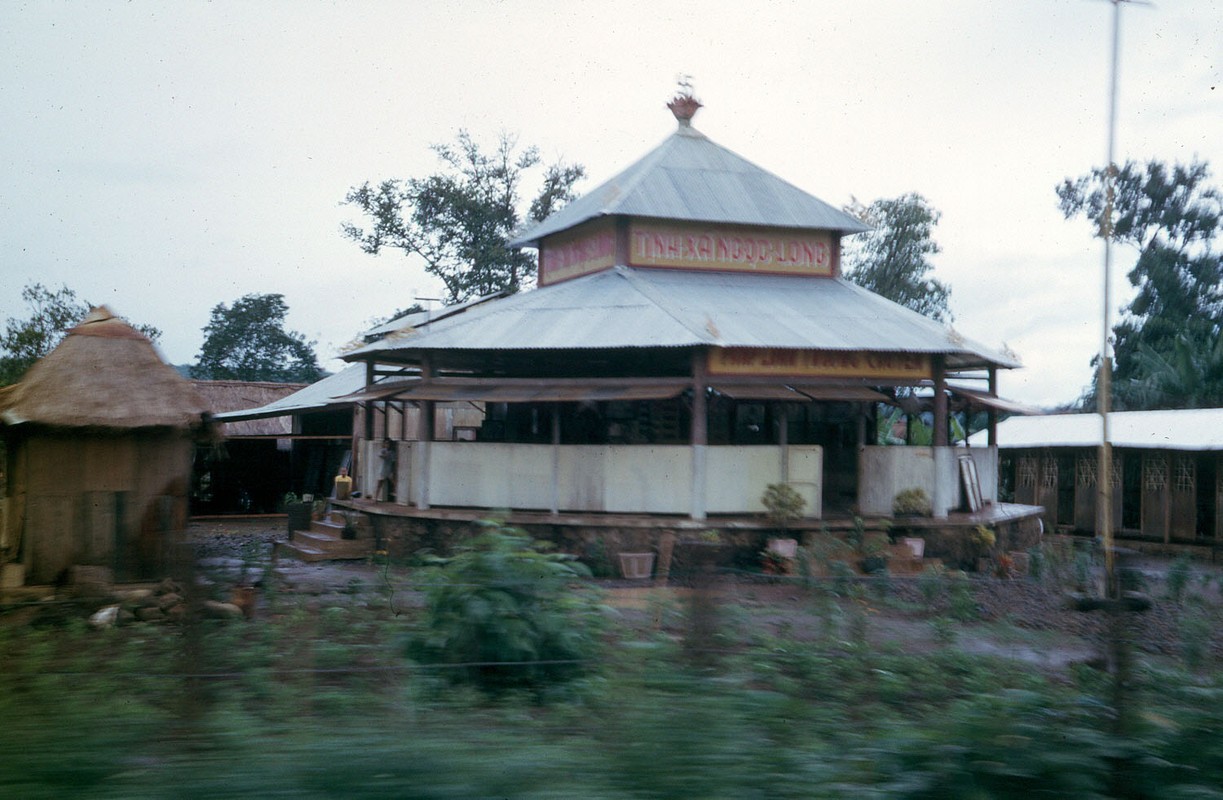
{"points": [[689, 178], [641, 308]]}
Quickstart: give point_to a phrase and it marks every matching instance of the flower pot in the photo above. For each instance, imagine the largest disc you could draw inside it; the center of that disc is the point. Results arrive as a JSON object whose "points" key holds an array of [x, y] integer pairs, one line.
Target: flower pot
{"points": [[299, 515], [636, 566], [916, 545], [872, 565]]}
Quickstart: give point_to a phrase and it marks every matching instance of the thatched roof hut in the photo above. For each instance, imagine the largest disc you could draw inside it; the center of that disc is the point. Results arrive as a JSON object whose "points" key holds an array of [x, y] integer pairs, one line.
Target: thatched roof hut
{"points": [[100, 436]]}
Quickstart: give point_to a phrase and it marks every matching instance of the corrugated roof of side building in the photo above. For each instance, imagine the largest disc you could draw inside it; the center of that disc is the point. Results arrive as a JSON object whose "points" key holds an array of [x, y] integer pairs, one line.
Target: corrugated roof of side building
{"points": [[691, 178], [319, 396], [1199, 429]]}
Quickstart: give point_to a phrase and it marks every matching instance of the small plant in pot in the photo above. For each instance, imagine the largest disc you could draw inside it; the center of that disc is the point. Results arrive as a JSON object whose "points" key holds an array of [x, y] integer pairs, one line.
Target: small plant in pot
{"points": [[912, 503], [782, 504], [298, 512], [350, 526], [871, 548]]}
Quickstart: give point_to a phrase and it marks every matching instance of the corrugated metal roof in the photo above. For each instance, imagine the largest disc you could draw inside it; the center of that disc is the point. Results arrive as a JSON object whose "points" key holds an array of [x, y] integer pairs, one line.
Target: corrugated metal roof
{"points": [[318, 396], [690, 178], [420, 318], [1189, 429], [521, 390], [632, 307]]}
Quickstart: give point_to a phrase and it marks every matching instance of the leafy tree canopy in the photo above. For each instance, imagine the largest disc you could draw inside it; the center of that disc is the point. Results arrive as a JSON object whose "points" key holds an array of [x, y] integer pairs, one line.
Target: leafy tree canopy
{"points": [[893, 260], [52, 313], [247, 342], [460, 219], [1171, 215]]}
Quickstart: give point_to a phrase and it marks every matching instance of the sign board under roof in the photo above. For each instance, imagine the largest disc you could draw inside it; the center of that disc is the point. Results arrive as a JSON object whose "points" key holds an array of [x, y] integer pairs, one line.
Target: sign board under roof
{"points": [[580, 251], [734, 248], [778, 362], [677, 245]]}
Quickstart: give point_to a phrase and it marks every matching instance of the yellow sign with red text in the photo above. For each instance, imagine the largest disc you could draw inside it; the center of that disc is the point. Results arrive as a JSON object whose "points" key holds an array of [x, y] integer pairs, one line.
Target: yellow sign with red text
{"points": [[776, 362], [586, 249], [738, 249]]}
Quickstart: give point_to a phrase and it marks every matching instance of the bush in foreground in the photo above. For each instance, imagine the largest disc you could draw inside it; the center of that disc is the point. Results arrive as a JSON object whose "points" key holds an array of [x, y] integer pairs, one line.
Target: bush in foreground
{"points": [[505, 613]]}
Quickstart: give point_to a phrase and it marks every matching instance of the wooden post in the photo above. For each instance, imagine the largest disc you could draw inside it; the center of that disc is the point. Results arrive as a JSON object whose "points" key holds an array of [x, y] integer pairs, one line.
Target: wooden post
{"points": [[940, 402], [556, 458], [991, 413], [424, 434], [699, 434], [783, 440]]}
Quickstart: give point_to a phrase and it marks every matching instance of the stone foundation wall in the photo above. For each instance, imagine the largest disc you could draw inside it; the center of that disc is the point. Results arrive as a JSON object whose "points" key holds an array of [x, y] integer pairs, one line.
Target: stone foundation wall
{"points": [[955, 547], [599, 547]]}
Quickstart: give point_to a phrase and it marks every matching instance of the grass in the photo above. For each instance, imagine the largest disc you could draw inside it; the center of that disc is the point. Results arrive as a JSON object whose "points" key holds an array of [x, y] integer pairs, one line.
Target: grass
{"points": [[316, 701]]}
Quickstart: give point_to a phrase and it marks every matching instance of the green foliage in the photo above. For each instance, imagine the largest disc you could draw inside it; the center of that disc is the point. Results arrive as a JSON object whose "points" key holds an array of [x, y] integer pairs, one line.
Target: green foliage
{"points": [[52, 314], [247, 342], [1195, 630], [1178, 578], [932, 583], [911, 502], [893, 260], [461, 219], [782, 504], [97, 714], [983, 538], [1036, 563], [505, 613], [1166, 352], [962, 604]]}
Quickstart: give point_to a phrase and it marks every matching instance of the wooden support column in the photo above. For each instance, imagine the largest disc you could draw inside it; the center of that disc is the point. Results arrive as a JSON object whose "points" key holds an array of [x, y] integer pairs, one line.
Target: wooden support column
{"points": [[991, 413], [699, 434], [940, 402], [424, 433], [783, 440], [367, 428], [368, 405], [556, 458]]}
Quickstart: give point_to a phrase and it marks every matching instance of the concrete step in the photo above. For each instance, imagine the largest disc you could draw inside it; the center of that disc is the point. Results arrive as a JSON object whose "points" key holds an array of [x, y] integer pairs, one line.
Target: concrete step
{"points": [[321, 546], [330, 526], [336, 521], [300, 552]]}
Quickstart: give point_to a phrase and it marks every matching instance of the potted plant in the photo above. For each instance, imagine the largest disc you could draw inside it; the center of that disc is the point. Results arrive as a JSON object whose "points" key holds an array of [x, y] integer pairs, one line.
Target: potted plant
{"points": [[298, 512]]}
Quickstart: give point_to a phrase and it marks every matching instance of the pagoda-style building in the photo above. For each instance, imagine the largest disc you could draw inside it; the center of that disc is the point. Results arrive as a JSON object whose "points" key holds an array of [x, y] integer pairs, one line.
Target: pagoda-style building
{"points": [[691, 341]]}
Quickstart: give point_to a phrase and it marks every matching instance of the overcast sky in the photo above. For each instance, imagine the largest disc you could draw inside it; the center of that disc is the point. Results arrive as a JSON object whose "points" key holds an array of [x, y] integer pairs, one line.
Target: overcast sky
{"points": [[166, 157]]}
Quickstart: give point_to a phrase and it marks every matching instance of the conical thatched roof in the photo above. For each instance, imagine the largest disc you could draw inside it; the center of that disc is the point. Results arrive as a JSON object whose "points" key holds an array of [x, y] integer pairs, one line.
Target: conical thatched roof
{"points": [[104, 374]]}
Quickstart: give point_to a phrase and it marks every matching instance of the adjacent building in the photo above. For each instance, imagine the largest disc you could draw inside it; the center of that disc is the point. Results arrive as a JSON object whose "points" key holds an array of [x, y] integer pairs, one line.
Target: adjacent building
{"points": [[99, 436], [1167, 471]]}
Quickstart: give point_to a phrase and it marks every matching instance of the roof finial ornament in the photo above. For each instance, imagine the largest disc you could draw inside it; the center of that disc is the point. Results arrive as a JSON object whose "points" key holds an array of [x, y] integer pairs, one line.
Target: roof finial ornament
{"points": [[684, 105]]}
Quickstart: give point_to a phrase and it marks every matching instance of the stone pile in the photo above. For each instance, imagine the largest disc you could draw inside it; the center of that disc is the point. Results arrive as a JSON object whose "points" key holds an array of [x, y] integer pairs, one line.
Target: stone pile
{"points": [[165, 602]]}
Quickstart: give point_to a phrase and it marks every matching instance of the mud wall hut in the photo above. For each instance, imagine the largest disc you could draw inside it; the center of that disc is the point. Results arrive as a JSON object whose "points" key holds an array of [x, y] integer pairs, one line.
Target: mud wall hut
{"points": [[99, 437]]}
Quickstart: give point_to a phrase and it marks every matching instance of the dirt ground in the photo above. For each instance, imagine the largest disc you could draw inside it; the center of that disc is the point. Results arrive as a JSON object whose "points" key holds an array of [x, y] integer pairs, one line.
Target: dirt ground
{"points": [[1021, 618]]}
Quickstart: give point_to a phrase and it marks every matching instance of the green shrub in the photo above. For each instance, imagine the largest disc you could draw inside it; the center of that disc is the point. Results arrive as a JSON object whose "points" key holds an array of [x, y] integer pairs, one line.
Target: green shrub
{"points": [[912, 502], [1178, 578], [932, 583], [504, 613], [782, 504]]}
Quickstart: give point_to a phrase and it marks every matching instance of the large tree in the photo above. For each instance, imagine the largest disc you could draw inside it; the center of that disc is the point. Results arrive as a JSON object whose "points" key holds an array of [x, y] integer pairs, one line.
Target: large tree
{"points": [[247, 342], [1171, 216], [52, 313], [893, 259], [460, 219]]}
